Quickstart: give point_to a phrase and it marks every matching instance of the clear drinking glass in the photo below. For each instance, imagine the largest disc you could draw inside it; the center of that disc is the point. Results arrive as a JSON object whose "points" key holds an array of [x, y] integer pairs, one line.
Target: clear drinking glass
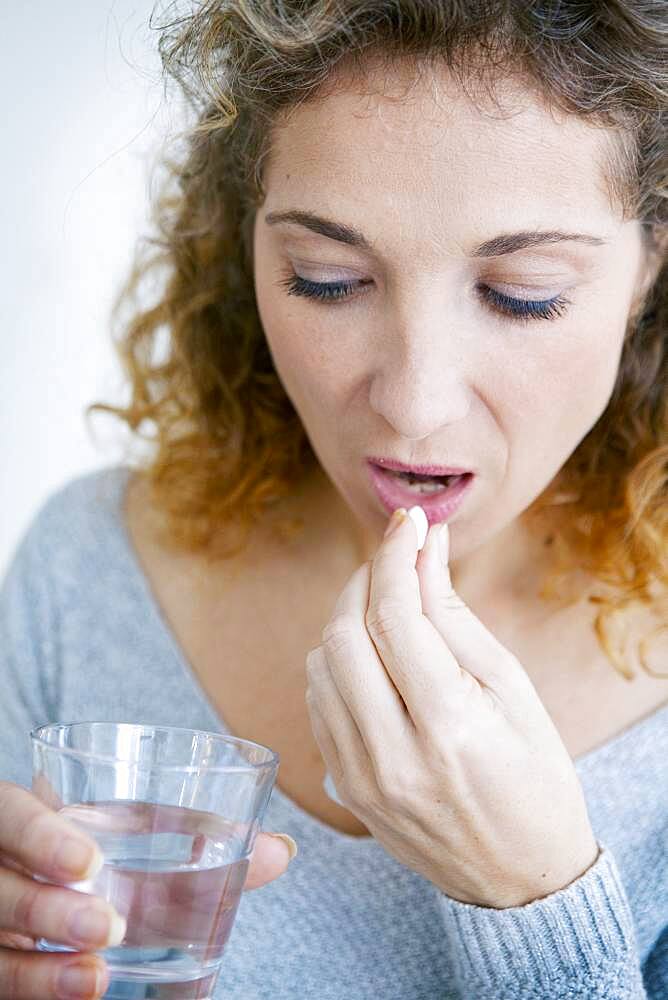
{"points": [[175, 813]]}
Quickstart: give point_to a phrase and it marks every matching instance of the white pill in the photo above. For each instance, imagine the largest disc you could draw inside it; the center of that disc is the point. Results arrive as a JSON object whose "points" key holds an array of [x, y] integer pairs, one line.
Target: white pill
{"points": [[419, 519]]}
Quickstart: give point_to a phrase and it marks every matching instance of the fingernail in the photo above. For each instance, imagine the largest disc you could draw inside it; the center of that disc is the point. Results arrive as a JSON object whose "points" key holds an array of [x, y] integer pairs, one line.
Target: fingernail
{"points": [[76, 858], [92, 925], [287, 839], [399, 515], [444, 542], [80, 980]]}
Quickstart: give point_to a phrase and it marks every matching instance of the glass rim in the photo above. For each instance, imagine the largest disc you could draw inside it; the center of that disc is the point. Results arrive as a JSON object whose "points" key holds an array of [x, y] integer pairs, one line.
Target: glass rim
{"points": [[274, 760]]}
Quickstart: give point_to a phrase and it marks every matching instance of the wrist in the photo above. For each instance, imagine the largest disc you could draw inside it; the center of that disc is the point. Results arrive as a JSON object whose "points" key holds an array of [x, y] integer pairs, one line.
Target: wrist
{"points": [[510, 896]]}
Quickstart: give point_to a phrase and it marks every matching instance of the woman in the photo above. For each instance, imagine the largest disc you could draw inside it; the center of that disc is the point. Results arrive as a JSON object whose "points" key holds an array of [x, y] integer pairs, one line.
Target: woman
{"points": [[415, 256]]}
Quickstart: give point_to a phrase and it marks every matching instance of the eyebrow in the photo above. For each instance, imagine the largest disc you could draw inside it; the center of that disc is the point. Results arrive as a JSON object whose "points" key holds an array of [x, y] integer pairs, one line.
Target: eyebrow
{"points": [[496, 247]]}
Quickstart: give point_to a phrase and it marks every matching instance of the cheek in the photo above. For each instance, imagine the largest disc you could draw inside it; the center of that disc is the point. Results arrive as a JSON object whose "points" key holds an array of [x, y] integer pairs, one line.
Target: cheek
{"points": [[314, 375], [559, 394], [585, 374]]}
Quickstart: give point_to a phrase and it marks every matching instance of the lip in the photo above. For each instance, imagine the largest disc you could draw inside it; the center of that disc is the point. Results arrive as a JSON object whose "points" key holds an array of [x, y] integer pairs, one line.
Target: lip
{"points": [[437, 506], [422, 470]]}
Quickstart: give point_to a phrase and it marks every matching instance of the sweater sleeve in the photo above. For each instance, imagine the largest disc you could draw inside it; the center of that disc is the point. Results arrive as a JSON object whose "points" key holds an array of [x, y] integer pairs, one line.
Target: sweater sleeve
{"points": [[28, 652], [578, 942]]}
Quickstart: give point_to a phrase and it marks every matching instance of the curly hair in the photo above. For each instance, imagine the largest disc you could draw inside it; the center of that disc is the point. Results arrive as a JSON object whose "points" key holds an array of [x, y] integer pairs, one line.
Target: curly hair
{"points": [[226, 442]]}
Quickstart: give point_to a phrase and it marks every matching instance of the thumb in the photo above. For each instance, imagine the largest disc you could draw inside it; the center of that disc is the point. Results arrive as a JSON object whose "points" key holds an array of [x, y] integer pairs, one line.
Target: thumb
{"points": [[270, 858]]}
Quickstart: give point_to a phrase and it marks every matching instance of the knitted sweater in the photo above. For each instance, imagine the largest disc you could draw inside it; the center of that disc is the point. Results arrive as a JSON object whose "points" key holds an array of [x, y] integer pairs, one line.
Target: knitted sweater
{"points": [[82, 638]]}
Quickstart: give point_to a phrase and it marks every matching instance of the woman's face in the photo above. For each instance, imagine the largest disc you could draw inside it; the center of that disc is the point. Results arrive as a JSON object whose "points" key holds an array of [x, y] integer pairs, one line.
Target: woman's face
{"points": [[435, 357]]}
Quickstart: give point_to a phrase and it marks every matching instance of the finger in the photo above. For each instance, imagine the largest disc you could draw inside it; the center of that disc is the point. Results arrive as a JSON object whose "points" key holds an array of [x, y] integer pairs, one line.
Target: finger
{"points": [[74, 918], [414, 654], [474, 647], [360, 676], [19, 941], [269, 859], [323, 737], [343, 748], [7, 862], [37, 976], [37, 838]]}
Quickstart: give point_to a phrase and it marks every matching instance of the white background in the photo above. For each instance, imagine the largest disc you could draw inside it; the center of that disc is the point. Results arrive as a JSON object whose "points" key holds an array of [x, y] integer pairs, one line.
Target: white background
{"points": [[83, 119]]}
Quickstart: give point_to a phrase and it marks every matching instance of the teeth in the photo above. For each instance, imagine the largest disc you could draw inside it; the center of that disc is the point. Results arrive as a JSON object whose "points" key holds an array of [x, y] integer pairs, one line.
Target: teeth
{"points": [[422, 484]]}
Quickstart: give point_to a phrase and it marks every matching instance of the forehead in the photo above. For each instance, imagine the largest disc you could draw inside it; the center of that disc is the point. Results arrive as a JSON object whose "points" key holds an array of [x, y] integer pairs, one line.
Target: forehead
{"points": [[419, 154]]}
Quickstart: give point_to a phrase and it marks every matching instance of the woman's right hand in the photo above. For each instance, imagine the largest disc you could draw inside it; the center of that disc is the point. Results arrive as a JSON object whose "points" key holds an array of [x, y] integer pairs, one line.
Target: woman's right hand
{"points": [[34, 840]]}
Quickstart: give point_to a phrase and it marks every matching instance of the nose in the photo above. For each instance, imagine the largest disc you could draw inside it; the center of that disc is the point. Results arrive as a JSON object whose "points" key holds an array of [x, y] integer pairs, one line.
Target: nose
{"points": [[421, 383]]}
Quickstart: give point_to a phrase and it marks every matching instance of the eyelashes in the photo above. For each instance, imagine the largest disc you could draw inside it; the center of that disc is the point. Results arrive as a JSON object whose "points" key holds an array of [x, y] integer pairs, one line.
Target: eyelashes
{"points": [[524, 308], [519, 309]]}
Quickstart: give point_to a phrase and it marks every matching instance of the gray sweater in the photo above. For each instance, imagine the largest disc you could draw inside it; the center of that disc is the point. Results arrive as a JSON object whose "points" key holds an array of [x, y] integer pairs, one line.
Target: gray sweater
{"points": [[81, 637]]}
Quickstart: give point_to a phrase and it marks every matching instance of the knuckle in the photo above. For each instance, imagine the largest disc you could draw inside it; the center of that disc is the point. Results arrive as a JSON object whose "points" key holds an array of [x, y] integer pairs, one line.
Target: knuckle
{"points": [[26, 828], [14, 974], [355, 785], [507, 673], [450, 601], [387, 786], [356, 794], [395, 788], [32, 831], [397, 802], [384, 619], [26, 910], [338, 634], [20, 942]]}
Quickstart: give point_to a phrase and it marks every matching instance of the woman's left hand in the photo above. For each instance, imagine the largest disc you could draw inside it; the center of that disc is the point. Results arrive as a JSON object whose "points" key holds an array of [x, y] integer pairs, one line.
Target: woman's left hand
{"points": [[436, 738]]}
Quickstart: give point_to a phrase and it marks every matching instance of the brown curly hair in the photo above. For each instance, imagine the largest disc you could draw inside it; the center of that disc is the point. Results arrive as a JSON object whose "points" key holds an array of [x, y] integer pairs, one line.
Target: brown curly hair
{"points": [[226, 442]]}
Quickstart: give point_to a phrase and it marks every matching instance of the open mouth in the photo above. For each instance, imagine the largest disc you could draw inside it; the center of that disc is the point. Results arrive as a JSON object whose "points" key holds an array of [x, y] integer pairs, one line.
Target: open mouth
{"points": [[423, 485], [439, 496]]}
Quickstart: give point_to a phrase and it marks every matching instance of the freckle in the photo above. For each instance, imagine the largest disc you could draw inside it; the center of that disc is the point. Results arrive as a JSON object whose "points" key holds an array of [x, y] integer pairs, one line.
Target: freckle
{"points": [[549, 540]]}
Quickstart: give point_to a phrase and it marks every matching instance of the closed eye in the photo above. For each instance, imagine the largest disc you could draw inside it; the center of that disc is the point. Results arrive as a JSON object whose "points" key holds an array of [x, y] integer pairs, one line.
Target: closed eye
{"points": [[506, 305]]}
